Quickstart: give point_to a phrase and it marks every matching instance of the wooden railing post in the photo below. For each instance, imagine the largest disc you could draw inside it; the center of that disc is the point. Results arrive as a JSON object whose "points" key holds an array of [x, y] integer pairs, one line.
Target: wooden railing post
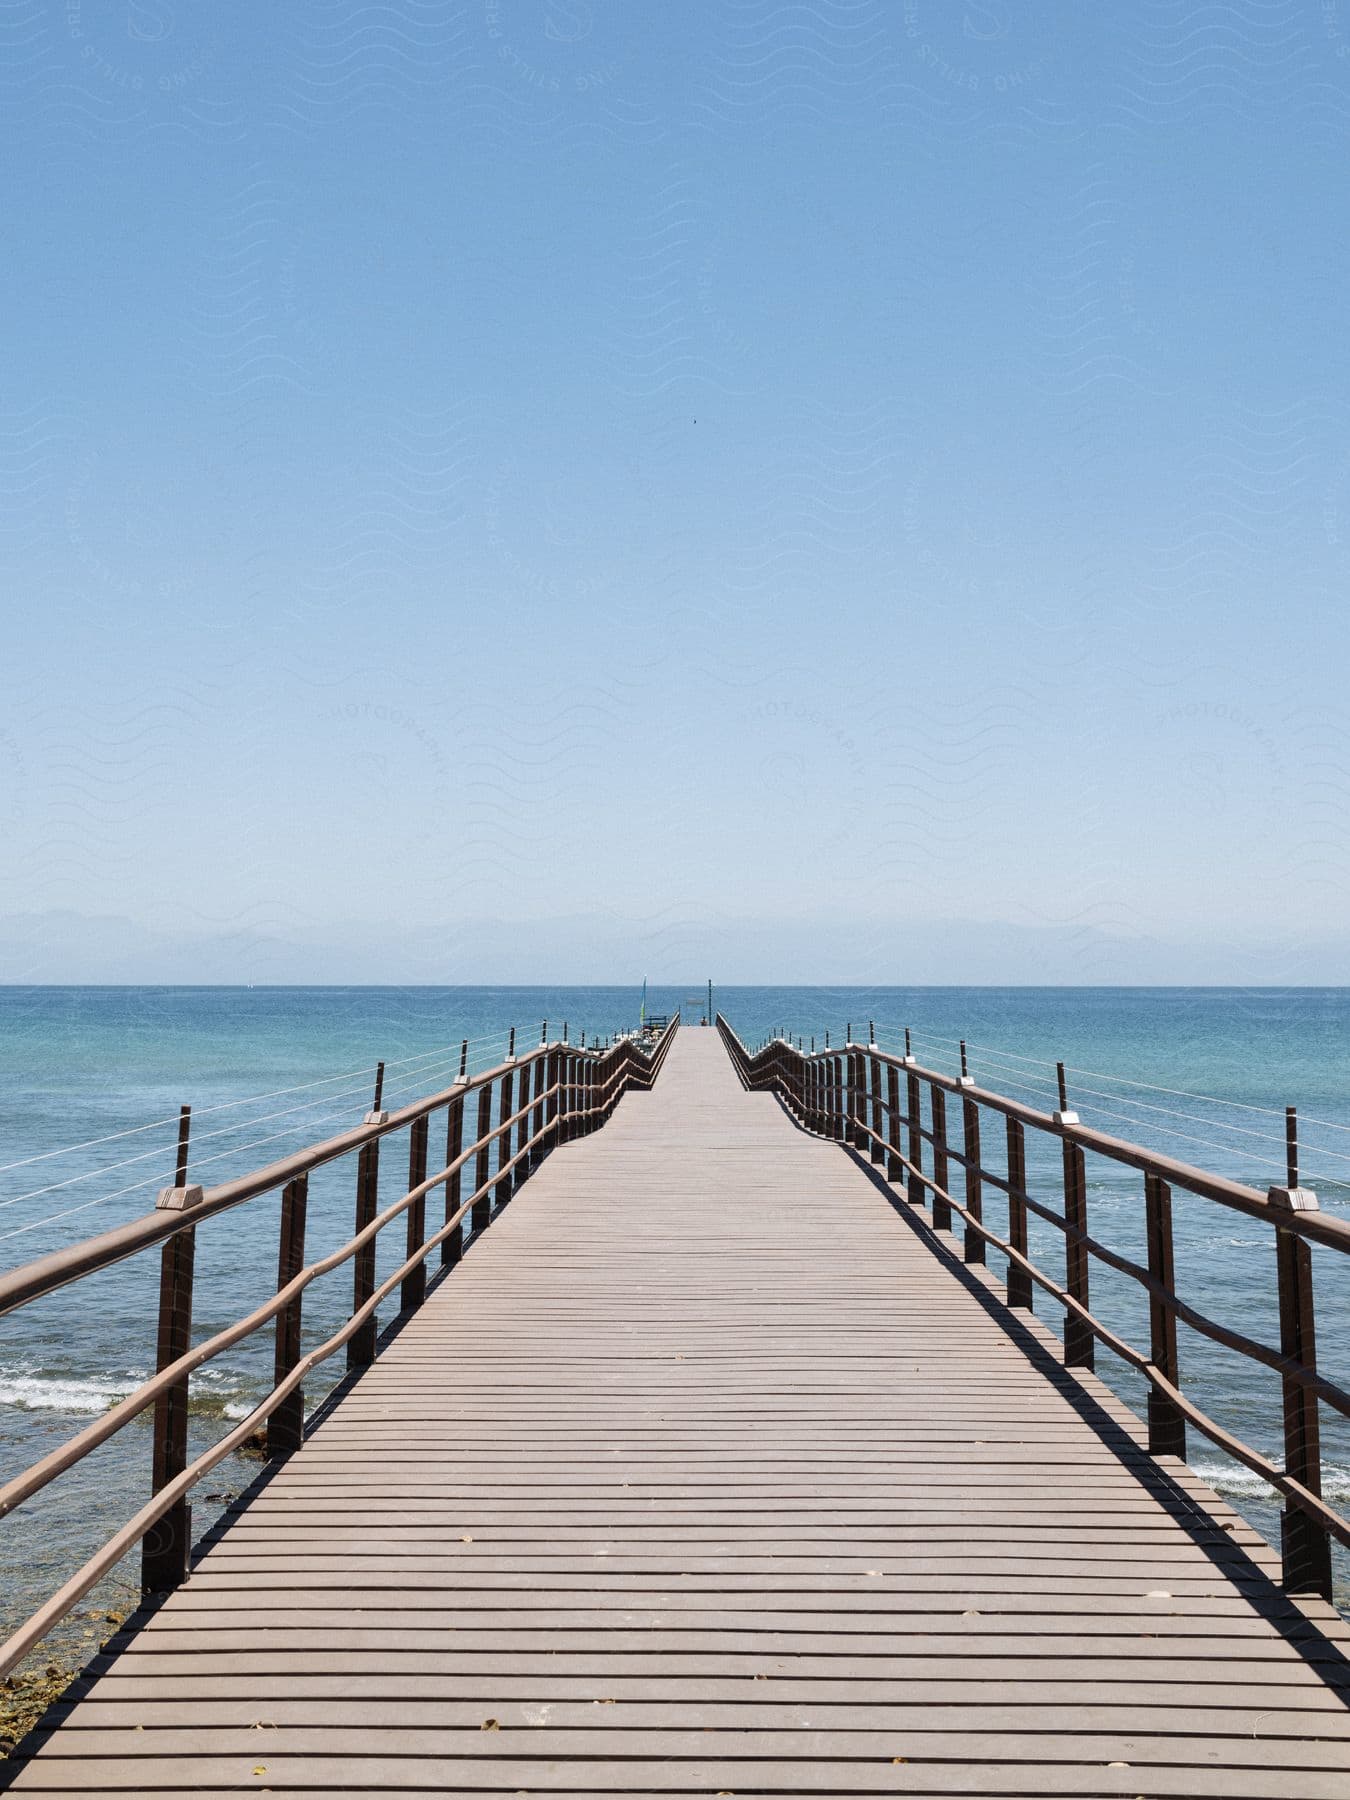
{"points": [[413, 1288], [895, 1168], [164, 1553], [1078, 1339], [452, 1246], [166, 1546], [523, 1129], [878, 1145], [168, 1543], [505, 1184], [361, 1345], [1166, 1421], [555, 1075], [1019, 1284], [841, 1125], [857, 1099], [481, 1210], [537, 1116], [942, 1212], [285, 1427], [973, 1250], [914, 1124], [1305, 1544]]}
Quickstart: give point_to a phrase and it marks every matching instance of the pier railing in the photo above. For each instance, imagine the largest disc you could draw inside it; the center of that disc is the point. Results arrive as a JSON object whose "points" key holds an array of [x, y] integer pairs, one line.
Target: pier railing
{"points": [[518, 1110], [892, 1109]]}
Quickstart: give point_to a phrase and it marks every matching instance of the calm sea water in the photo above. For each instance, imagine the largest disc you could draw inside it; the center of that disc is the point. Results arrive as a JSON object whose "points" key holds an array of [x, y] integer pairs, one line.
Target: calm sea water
{"points": [[269, 1069]]}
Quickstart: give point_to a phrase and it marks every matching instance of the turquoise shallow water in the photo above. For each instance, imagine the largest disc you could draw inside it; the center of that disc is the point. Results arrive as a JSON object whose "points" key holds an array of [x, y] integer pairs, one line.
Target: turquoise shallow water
{"points": [[85, 1063]]}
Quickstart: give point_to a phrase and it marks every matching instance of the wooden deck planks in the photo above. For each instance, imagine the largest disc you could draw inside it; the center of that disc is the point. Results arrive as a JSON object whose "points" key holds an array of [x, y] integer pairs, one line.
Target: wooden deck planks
{"points": [[707, 1473]]}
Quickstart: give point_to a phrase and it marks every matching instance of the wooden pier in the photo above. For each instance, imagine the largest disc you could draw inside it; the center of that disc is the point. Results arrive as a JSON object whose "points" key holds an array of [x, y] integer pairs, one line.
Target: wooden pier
{"points": [[713, 1469]]}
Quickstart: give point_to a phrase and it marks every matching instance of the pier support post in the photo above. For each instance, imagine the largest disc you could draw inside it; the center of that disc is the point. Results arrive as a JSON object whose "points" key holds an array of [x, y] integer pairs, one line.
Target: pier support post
{"points": [[481, 1210], [165, 1547], [537, 1116], [361, 1345], [877, 1141], [914, 1132], [942, 1212], [452, 1247], [505, 1185], [895, 1168], [1305, 1543], [285, 1427], [1166, 1422], [164, 1552], [1019, 1287], [973, 1248], [413, 1288], [1079, 1344]]}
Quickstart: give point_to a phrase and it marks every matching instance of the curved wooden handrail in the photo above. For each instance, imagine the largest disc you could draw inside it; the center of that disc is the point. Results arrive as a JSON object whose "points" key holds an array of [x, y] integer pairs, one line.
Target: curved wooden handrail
{"points": [[597, 1080], [780, 1066]]}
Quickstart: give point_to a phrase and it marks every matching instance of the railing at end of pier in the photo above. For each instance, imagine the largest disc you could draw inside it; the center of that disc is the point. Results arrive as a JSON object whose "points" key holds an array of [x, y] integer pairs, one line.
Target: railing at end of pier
{"points": [[872, 1101]]}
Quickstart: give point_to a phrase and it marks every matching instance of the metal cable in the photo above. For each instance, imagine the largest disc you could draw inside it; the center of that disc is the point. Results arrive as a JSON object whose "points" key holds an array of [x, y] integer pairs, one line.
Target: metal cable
{"points": [[228, 1105]]}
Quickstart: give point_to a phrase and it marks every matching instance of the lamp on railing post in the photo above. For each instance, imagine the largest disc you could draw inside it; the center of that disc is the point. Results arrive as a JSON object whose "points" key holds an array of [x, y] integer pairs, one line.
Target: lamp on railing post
{"points": [[164, 1551], [1305, 1543]]}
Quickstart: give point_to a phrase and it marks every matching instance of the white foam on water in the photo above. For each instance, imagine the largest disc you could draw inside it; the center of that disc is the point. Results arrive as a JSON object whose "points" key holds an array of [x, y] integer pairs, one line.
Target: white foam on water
{"points": [[63, 1393], [1227, 1478], [29, 1390]]}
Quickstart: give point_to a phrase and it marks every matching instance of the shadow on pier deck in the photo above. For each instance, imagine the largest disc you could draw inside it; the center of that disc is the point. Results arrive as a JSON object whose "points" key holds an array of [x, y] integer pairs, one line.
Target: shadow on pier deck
{"points": [[708, 1473]]}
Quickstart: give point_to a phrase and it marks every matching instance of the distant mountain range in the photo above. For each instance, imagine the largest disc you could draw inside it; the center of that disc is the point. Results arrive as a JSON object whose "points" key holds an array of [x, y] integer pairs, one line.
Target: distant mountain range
{"points": [[599, 947]]}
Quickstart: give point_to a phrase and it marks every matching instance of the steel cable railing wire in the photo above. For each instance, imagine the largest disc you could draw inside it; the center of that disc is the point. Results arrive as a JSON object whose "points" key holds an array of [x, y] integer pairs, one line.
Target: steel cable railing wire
{"points": [[1003, 1058], [1092, 1105], [328, 1103], [249, 1099], [414, 1079], [569, 1101], [1012, 1056], [424, 1058]]}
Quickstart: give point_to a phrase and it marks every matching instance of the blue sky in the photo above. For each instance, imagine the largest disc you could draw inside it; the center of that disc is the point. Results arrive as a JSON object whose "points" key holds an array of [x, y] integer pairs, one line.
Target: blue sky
{"points": [[551, 490]]}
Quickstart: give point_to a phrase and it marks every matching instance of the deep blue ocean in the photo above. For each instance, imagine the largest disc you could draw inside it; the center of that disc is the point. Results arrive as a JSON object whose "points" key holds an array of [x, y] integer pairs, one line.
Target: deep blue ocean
{"points": [[1203, 1074]]}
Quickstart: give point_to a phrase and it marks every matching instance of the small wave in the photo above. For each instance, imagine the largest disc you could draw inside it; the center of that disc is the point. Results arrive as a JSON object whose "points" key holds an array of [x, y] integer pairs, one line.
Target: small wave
{"points": [[64, 1393], [1227, 1478], [30, 1391]]}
